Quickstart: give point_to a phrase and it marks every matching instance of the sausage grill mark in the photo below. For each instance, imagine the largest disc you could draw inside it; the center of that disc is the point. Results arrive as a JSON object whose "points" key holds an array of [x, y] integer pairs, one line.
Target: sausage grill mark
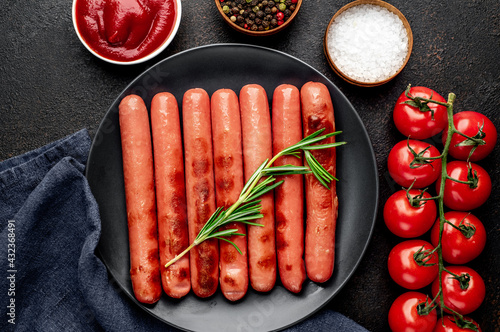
{"points": [[230, 281], [225, 184], [267, 262], [225, 161], [200, 167], [229, 256]]}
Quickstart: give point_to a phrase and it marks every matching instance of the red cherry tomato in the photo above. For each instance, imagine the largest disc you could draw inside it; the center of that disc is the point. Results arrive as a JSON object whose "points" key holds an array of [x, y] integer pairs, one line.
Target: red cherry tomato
{"points": [[401, 157], [404, 314], [461, 196], [452, 324], [410, 264], [469, 123], [417, 124], [460, 246], [407, 221], [463, 296]]}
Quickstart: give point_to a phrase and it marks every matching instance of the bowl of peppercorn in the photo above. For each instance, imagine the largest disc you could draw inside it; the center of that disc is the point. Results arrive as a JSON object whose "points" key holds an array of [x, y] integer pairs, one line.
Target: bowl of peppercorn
{"points": [[258, 17]]}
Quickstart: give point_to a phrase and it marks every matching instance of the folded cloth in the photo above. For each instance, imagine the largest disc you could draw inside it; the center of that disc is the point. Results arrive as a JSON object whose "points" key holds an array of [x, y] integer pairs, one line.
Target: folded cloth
{"points": [[52, 279]]}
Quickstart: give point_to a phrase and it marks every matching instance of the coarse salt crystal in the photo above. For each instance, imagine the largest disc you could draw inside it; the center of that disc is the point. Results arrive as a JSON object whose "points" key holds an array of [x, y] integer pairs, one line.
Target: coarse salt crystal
{"points": [[368, 43]]}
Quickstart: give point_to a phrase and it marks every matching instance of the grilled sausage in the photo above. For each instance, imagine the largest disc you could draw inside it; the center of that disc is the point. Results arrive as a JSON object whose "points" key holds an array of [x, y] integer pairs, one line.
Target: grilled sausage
{"points": [[204, 258], [321, 203], [170, 194], [138, 176], [257, 147], [289, 197], [228, 169]]}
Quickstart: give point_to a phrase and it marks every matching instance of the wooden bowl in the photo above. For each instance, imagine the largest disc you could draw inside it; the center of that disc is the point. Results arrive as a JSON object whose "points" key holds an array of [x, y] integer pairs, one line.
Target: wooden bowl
{"points": [[368, 2], [279, 28]]}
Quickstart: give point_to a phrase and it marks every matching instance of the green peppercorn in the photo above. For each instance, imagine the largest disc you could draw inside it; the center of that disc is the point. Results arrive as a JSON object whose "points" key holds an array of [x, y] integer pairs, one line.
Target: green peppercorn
{"points": [[248, 1], [282, 7], [225, 9], [255, 9], [282, 1]]}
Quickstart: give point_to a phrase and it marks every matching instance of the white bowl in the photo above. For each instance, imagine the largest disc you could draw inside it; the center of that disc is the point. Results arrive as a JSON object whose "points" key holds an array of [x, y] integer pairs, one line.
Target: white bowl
{"points": [[145, 57]]}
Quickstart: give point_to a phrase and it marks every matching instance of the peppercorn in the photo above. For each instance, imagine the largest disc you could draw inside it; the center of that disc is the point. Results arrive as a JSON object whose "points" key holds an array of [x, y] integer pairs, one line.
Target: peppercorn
{"points": [[258, 21], [279, 16], [292, 7], [245, 13], [265, 24], [274, 22], [260, 14], [282, 7], [271, 3], [225, 9], [233, 18], [252, 15], [255, 2], [269, 17], [254, 27], [287, 12], [235, 10], [264, 3], [240, 18], [274, 10], [288, 2]]}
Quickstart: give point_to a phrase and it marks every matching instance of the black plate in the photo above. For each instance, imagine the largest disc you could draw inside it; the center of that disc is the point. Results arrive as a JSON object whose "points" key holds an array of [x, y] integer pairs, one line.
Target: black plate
{"points": [[232, 66]]}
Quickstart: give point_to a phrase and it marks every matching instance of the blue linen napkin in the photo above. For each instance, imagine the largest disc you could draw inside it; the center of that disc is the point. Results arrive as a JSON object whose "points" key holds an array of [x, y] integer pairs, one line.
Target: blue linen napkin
{"points": [[51, 278]]}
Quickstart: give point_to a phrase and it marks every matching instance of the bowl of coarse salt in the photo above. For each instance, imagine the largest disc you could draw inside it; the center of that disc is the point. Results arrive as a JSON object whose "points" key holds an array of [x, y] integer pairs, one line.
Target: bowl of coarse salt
{"points": [[368, 42]]}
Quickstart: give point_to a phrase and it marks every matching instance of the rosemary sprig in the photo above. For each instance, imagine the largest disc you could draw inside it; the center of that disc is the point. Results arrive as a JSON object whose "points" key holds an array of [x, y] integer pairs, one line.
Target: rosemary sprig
{"points": [[247, 207]]}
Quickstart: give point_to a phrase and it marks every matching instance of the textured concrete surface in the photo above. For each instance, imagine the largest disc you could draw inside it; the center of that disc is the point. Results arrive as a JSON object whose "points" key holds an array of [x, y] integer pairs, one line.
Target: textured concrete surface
{"points": [[52, 86]]}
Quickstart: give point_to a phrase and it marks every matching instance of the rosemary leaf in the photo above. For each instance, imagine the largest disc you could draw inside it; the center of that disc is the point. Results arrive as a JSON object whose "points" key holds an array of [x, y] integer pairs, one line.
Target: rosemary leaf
{"points": [[227, 240]]}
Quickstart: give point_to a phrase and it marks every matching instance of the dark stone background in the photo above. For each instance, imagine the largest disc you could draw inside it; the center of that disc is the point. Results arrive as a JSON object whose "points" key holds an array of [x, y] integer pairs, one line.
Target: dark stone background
{"points": [[52, 86]]}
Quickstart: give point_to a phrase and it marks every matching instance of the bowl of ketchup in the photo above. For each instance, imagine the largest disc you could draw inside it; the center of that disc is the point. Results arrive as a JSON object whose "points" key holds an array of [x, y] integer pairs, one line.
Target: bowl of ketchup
{"points": [[126, 32]]}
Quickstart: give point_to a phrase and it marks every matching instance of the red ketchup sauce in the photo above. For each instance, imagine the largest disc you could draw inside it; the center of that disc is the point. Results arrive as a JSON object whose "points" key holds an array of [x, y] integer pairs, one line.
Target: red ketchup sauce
{"points": [[125, 30]]}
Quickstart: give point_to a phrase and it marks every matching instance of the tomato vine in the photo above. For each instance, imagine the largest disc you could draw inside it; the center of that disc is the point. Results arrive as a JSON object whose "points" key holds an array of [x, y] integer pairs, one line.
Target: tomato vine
{"points": [[472, 181]]}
